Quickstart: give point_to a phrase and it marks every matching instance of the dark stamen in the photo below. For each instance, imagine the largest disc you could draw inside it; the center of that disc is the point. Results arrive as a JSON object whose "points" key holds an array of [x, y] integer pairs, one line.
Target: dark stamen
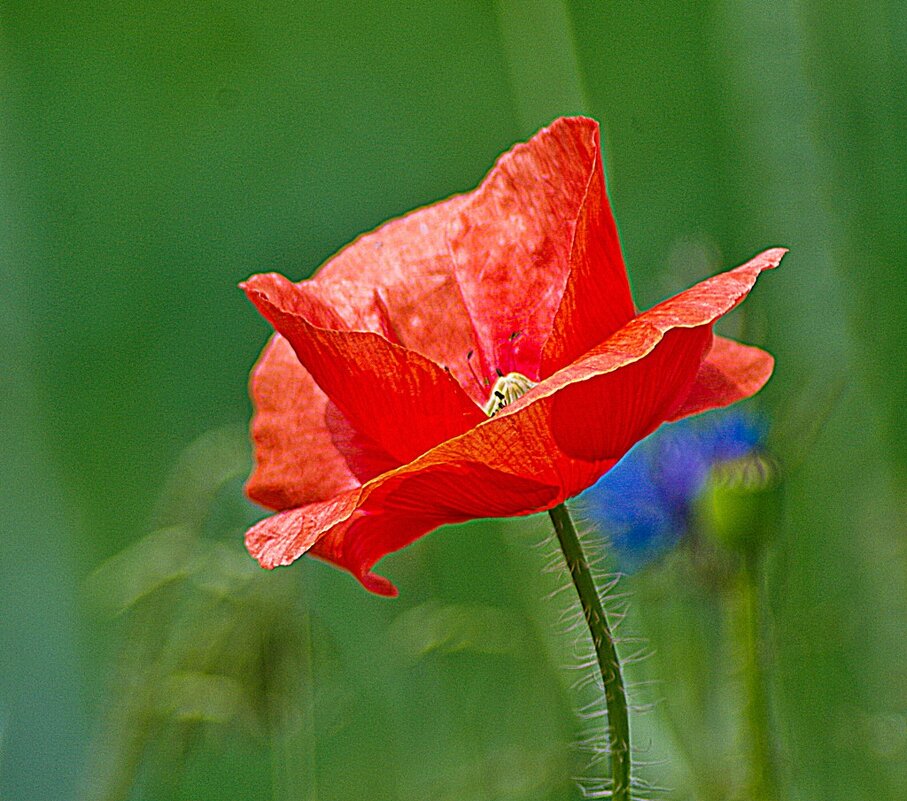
{"points": [[472, 369]]}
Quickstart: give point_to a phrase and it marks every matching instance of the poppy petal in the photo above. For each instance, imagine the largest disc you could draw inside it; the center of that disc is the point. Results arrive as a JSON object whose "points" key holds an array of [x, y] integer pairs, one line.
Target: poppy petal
{"points": [[281, 538], [398, 280], [296, 459], [596, 301], [402, 401], [364, 456], [605, 415], [356, 529], [731, 372], [539, 223]]}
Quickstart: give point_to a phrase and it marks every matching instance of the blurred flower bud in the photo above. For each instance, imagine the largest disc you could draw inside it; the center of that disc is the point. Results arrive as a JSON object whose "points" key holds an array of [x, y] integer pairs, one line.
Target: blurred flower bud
{"points": [[737, 506]]}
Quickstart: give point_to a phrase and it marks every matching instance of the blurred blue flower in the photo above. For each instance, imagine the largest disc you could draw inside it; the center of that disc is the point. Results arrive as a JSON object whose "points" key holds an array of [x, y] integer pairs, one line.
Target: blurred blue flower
{"points": [[643, 505]]}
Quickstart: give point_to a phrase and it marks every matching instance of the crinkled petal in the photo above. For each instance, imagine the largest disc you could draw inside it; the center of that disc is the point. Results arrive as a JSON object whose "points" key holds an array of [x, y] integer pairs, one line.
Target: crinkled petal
{"points": [[540, 223], [399, 399], [356, 529], [399, 281], [551, 444]]}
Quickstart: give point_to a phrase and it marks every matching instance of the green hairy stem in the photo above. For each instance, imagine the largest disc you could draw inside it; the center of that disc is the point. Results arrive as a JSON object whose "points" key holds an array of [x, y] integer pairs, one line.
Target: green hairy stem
{"points": [[608, 663]]}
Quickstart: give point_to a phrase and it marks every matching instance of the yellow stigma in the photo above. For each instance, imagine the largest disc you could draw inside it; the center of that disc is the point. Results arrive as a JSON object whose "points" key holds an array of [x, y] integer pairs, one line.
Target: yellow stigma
{"points": [[505, 391]]}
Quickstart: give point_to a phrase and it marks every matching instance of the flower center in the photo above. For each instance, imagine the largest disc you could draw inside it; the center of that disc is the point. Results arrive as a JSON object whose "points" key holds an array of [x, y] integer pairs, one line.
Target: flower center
{"points": [[505, 391]]}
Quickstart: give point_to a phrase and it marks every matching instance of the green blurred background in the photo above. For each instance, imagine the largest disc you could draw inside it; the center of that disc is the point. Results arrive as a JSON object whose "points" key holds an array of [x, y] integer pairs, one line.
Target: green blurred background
{"points": [[153, 154]]}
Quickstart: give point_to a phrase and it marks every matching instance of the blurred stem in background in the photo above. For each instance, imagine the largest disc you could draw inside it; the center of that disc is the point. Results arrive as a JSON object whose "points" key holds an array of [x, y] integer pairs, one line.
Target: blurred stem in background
{"points": [[739, 512], [750, 628]]}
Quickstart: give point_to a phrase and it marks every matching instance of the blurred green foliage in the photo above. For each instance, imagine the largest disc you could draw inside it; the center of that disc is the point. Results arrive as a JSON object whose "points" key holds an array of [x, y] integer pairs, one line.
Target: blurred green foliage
{"points": [[154, 153]]}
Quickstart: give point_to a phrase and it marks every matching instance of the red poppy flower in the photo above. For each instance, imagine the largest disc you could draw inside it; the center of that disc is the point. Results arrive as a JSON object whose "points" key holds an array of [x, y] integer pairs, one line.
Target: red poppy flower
{"points": [[372, 423]]}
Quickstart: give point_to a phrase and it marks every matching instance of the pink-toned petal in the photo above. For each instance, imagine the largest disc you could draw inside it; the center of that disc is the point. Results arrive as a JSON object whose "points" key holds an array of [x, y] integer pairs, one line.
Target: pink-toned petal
{"points": [[399, 281], [282, 538]]}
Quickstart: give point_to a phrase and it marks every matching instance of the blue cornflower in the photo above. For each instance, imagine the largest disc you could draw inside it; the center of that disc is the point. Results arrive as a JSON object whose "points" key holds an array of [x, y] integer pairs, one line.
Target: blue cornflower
{"points": [[643, 505]]}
